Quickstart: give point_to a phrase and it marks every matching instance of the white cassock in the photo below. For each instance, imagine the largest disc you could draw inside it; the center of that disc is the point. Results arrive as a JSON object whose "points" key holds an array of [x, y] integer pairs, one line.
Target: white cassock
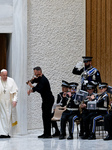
{"points": [[8, 116]]}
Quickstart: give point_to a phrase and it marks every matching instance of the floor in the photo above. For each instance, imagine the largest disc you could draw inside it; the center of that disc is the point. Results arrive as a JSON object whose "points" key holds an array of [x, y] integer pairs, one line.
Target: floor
{"points": [[31, 142]]}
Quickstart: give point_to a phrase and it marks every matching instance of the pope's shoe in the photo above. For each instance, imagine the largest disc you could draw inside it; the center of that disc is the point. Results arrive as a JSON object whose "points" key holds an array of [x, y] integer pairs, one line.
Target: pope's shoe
{"points": [[4, 136]]}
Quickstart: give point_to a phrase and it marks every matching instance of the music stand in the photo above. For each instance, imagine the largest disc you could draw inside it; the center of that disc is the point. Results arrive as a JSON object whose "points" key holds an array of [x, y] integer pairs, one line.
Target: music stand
{"points": [[79, 97], [85, 93]]}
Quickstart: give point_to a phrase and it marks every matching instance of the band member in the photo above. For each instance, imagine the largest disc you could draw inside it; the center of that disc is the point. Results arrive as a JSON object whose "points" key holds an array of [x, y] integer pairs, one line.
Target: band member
{"points": [[102, 102], [70, 114], [108, 124], [62, 99], [43, 87], [88, 73], [83, 106]]}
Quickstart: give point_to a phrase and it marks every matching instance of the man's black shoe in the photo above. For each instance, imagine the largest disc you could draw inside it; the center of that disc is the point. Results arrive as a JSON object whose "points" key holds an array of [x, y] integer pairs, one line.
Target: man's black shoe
{"points": [[70, 137], [85, 136], [4, 136], [81, 134], [108, 137], [92, 136], [56, 134], [41, 136], [47, 136], [61, 137]]}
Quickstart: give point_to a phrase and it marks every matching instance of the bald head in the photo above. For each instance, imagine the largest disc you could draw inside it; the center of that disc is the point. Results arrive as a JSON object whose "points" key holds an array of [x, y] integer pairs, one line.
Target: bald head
{"points": [[4, 74]]}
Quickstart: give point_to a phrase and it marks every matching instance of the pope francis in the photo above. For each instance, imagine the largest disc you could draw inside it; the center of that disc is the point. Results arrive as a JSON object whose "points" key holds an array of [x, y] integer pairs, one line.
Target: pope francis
{"points": [[8, 101]]}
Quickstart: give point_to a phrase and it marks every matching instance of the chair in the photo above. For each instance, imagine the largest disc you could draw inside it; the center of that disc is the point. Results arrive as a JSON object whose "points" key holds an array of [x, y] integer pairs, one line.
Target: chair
{"points": [[99, 124], [77, 124], [58, 112], [57, 117]]}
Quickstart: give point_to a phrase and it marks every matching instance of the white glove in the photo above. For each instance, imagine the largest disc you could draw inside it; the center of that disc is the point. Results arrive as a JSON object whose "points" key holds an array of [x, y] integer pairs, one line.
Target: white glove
{"points": [[79, 65], [85, 82]]}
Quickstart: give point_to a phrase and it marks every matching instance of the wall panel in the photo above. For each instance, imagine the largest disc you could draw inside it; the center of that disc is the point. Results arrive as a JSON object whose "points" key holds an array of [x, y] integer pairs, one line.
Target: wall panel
{"points": [[98, 36]]}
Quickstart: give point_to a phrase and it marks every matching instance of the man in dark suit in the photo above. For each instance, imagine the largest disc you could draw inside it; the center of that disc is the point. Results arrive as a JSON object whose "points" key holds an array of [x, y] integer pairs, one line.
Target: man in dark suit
{"points": [[43, 87]]}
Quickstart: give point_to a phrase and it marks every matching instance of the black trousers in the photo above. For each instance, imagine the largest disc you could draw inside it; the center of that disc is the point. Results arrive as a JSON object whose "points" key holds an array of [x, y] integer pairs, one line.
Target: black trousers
{"points": [[87, 121], [69, 116], [91, 119], [108, 123], [82, 116], [46, 116]]}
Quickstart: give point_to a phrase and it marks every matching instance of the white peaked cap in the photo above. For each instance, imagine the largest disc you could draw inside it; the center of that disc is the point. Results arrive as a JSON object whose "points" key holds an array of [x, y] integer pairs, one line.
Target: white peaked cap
{"points": [[3, 70]]}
